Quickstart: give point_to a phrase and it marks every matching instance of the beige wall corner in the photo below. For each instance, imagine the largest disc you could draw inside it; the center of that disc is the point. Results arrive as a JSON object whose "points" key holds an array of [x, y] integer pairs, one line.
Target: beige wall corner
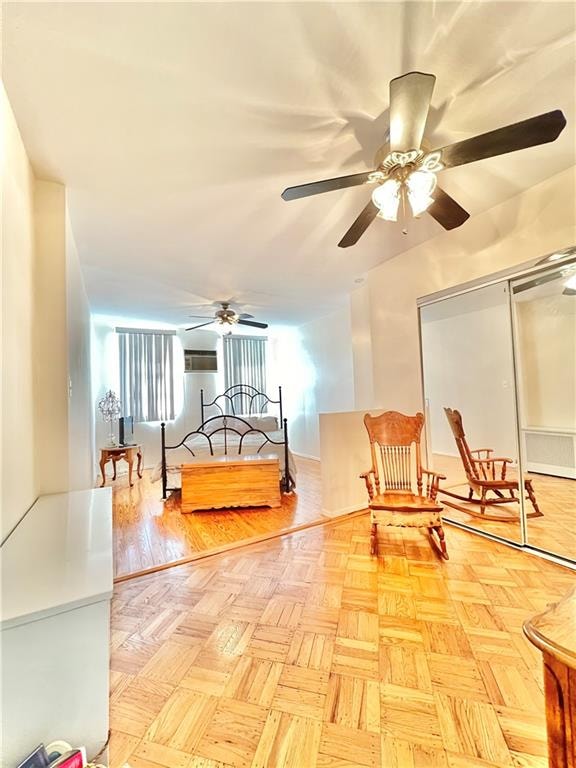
{"points": [[361, 331], [79, 389], [49, 339], [18, 431], [539, 221]]}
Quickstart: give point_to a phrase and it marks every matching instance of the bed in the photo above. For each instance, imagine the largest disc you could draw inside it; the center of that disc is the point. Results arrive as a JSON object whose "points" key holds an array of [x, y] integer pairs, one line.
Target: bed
{"points": [[248, 403], [242, 438]]}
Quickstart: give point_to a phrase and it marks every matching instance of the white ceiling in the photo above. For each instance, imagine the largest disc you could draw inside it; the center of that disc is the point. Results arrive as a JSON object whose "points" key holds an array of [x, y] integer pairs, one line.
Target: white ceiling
{"points": [[176, 126]]}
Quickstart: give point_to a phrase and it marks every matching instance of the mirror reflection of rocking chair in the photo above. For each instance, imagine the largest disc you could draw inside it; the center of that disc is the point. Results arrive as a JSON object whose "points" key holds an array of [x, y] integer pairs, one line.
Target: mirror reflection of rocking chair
{"points": [[488, 483], [389, 482]]}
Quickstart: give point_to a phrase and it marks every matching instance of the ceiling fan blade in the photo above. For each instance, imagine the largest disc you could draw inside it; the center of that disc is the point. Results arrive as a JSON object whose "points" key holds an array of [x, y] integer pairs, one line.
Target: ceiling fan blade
{"points": [[318, 187], [253, 323], [410, 97], [527, 133], [446, 210], [199, 317], [194, 327], [360, 226], [245, 316]]}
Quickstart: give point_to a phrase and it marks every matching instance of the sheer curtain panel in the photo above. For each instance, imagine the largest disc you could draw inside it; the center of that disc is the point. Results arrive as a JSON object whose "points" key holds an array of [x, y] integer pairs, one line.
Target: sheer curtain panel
{"points": [[147, 374], [245, 363]]}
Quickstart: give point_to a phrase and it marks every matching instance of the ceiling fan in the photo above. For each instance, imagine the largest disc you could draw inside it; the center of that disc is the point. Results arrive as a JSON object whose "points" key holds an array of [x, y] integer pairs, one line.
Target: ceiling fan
{"points": [[407, 174], [227, 316]]}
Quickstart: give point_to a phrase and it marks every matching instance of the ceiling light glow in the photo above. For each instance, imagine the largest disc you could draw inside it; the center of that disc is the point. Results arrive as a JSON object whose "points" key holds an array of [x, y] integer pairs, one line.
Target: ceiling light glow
{"points": [[420, 185], [412, 174], [386, 197]]}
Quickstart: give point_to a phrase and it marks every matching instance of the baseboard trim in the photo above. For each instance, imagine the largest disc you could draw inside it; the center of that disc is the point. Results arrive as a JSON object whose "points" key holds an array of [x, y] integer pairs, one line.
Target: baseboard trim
{"points": [[226, 548], [305, 456], [345, 510]]}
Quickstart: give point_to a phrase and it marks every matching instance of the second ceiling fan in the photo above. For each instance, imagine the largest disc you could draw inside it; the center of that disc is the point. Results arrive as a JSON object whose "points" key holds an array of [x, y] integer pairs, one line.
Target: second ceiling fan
{"points": [[408, 173], [228, 317]]}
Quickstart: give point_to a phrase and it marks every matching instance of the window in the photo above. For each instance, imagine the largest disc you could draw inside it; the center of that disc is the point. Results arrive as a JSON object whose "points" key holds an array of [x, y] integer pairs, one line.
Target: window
{"points": [[147, 374], [245, 363]]}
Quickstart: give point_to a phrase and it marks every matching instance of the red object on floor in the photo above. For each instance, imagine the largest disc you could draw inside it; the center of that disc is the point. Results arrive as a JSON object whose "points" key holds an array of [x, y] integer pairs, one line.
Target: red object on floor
{"points": [[72, 759]]}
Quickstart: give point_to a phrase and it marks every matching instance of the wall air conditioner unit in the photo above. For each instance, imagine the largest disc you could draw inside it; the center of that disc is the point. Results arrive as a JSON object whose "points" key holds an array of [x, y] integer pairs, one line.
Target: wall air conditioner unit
{"points": [[200, 361], [550, 451]]}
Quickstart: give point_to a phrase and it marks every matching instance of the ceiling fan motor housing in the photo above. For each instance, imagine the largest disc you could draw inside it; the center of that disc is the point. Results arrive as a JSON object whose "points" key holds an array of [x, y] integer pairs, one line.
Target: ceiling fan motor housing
{"points": [[226, 316]]}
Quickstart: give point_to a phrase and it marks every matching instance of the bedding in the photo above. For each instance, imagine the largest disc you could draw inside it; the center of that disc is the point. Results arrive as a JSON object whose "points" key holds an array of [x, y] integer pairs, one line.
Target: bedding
{"points": [[176, 457], [259, 421]]}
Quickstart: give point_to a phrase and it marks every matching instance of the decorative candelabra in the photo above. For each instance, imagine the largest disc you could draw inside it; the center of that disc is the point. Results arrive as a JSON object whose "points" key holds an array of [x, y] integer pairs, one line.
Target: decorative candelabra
{"points": [[109, 407]]}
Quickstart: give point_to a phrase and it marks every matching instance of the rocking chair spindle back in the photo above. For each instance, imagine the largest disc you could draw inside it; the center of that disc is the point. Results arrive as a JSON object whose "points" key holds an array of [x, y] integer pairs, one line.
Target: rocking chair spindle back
{"points": [[487, 478], [394, 482]]}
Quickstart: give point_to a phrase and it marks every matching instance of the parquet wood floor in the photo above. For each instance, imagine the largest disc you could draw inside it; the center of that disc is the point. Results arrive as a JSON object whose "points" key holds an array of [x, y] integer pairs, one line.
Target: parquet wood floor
{"points": [[150, 533], [554, 532], [305, 652]]}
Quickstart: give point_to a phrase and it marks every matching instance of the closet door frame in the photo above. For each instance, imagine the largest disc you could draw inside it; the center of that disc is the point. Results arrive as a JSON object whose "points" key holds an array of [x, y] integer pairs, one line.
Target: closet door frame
{"points": [[567, 257]]}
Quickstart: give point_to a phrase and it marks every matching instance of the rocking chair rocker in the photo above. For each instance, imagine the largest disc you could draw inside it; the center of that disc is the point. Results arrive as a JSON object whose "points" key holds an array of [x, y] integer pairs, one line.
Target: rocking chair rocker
{"points": [[486, 474], [392, 499]]}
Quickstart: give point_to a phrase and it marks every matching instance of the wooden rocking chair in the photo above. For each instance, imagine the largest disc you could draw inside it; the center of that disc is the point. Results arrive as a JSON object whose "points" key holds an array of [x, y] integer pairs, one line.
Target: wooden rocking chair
{"points": [[392, 498], [487, 481]]}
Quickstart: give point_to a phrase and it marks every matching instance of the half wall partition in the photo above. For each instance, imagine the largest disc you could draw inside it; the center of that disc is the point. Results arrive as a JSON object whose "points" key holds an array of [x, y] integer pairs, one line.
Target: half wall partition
{"points": [[499, 384]]}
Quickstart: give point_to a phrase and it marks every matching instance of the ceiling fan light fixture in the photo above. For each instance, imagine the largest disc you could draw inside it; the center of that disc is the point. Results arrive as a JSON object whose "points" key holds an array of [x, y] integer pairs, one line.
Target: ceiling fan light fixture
{"points": [[432, 162], [386, 198], [420, 185]]}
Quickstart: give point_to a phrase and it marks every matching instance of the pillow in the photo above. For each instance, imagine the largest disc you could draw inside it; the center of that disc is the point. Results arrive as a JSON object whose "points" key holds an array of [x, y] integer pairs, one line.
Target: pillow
{"points": [[265, 423]]}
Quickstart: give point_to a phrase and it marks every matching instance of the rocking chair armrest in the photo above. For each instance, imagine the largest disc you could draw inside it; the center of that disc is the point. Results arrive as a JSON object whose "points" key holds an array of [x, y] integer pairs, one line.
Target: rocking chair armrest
{"points": [[432, 473], [433, 482], [493, 460], [368, 479], [487, 451], [492, 463]]}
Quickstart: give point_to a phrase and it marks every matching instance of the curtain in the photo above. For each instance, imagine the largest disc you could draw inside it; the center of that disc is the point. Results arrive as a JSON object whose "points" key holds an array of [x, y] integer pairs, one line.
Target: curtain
{"points": [[245, 363], [147, 374]]}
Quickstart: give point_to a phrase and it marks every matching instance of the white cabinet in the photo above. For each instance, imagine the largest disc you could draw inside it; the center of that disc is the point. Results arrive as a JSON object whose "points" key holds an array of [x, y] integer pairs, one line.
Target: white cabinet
{"points": [[55, 620]]}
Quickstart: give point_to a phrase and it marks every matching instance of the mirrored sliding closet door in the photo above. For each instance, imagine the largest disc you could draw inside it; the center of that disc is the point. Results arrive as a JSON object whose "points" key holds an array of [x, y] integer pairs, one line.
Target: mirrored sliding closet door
{"points": [[499, 383], [468, 377], [544, 311]]}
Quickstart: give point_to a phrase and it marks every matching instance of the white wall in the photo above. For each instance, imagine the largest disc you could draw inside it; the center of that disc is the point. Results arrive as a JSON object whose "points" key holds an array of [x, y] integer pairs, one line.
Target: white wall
{"points": [[18, 431], [361, 336], [50, 343], [43, 300], [468, 365], [315, 367], [547, 347], [106, 375], [539, 221], [80, 409]]}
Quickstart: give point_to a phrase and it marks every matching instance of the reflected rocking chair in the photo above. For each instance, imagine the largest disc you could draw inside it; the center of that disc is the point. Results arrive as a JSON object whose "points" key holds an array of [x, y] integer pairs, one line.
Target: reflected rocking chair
{"points": [[487, 479], [396, 464]]}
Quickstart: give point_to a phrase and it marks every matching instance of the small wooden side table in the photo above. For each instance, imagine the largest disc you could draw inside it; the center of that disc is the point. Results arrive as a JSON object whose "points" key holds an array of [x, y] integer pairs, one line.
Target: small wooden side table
{"points": [[554, 633], [126, 452]]}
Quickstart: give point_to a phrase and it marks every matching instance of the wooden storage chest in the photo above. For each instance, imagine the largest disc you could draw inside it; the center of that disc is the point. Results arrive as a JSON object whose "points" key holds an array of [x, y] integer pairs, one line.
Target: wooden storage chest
{"points": [[217, 482]]}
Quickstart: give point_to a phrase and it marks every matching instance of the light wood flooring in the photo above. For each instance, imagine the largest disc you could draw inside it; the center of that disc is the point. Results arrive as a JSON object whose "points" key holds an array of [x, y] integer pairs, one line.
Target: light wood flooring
{"points": [[556, 496], [305, 652], [149, 533]]}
